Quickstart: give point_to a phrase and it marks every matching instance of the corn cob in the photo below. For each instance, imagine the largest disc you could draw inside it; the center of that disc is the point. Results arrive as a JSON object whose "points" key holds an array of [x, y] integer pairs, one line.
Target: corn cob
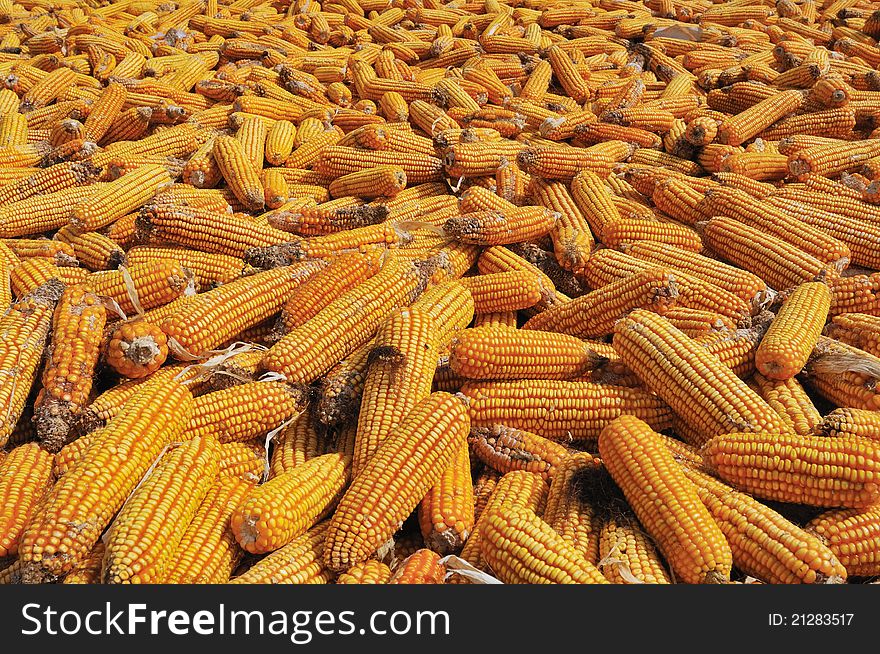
{"points": [[195, 327], [89, 570], [298, 562], [780, 264], [93, 250], [207, 552], [287, 506], [324, 287], [812, 470], [706, 394], [25, 476], [368, 572], [519, 547], [24, 328], [245, 461], [595, 313], [850, 422], [764, 544], [77, 328], [239, 172], [681, 526], [136, 349], [60, 254], [118, 198], [209, 269], [398, 378], [89, 495], [421, 567], [310, 350], [298, 443], [226, 414], [446, 513], [794, 332], [424, 443], [499, 228], [490, 353], [506, 449], [142, 541], [856, 329], [852, 535], [560, 410]]}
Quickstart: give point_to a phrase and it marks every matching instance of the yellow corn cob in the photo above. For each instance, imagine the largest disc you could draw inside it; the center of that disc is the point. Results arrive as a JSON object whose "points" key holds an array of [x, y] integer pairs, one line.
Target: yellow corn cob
{"points": [[310, 350], [279, 142], [287, 506], [500, 228], [298, 562], [682, 527], [208, 553], [732, 202], [424, 444], [23, 328], [812, 470], [565, 163], [48, 180], [298, 443], [856, 329], [446, 513], [25, 475], [401, 369], [595, 313], [794, 332], [368, 572], [89, 570], [136, 348], [421, 567], [239, 172], [569, 511], [61, 254], [850, 422], [764, 544], [41, 213], [505, 291], [86, 498], [251, 134], [560, 410], [705, 393], [209, 269], [746, 124], [336, 160], [506, 449], [149, 284], [144, 536], [77, 330], [627, 554], [853, 536], [242, 303], [342, 387], [828, 160], [226, 414], [118, 198], [789, 399], [519, 547], [246, 461], [742, 283], [499, 353], [780, 264], [93, 250], [594, 200], [380, 181]]}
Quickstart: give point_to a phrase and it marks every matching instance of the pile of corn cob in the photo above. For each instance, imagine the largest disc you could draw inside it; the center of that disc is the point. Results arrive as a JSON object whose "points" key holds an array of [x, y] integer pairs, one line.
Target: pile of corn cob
{"points": [[377, 291]]}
